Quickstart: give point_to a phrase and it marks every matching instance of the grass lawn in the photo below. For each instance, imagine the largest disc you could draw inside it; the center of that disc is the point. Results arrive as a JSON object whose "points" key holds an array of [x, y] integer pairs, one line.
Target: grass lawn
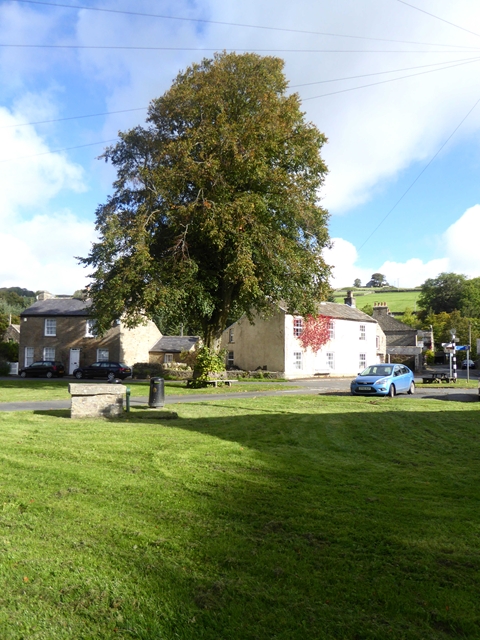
{"points": [[288, 518], [397, 301], [43, 389]]}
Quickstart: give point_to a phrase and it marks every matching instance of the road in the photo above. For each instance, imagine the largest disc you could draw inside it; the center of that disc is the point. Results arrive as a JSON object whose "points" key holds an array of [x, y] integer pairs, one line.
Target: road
{"points": [[334, 386]]}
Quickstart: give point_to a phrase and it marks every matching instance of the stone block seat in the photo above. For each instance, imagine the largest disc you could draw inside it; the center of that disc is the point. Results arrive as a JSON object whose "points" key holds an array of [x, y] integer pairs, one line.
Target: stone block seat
{"points": [[90, 400]]}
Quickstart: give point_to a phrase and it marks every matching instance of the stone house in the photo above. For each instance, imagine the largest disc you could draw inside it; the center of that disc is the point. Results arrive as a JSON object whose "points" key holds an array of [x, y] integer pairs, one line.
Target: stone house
{"points": [[12, 332], [271, 343], [402, 340], [168, 349], [61, 329]]}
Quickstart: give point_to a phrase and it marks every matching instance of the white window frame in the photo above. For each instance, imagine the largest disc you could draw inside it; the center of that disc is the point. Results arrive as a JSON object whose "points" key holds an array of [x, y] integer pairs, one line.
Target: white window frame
{"points": [[363, 332], [50, 327], [297, 360], [297, 327], [231, 359], [231, 335], [103, 355], [330, 357], [331, 330], [377, 342], [29, 356], [362, 361], [49, 353], [90, 328], [167, 358]]}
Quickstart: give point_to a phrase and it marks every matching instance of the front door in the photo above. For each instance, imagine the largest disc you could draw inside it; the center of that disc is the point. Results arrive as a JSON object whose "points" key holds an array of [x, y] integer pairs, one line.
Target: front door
{"points": [[74, 360]]}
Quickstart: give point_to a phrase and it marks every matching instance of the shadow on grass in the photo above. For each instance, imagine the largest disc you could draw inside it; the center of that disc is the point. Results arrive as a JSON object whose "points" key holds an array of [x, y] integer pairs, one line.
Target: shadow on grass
{"points": [[287, 521], [324, 525]]}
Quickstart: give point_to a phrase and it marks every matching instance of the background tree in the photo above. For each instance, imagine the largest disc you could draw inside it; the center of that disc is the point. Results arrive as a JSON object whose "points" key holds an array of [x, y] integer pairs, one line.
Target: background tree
{"points": [[442, 294], [215, 210], [470, 298], [357, 282], [377, 280]]}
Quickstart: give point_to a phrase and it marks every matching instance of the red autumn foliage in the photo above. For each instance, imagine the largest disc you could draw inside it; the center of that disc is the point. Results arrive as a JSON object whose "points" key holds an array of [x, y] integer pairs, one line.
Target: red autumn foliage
{"points": [[315, 332]]}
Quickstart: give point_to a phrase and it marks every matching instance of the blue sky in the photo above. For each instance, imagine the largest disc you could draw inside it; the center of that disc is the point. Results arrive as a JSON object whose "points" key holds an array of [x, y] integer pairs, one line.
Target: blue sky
{"points": [[381, 137]]}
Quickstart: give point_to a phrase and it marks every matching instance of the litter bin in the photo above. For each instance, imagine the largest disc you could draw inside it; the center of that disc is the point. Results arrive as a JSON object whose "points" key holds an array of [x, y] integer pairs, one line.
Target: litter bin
{"points": [[157, 393]]}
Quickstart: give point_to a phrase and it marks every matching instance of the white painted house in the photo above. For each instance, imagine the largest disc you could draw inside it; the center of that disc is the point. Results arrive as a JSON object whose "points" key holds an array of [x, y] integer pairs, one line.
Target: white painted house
{"points": [[356, 340]]}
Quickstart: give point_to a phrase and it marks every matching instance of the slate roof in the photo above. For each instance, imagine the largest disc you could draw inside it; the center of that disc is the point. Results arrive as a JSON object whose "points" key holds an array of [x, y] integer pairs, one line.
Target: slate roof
{"points": [[58, 307], [389, 323], [175, 344], [342, 312]]}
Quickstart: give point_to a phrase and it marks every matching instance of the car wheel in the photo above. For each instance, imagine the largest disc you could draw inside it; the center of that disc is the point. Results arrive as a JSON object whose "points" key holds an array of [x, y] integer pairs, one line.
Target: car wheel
{"points": [[411, 391], [391, 391], [111, 375], [79, 375], [49, 374], [23, 374]]}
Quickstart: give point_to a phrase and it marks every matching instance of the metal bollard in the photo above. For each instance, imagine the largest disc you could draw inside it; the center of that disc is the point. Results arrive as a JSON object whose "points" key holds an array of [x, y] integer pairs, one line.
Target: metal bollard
{"points": [[157, 393], [127, 400]]}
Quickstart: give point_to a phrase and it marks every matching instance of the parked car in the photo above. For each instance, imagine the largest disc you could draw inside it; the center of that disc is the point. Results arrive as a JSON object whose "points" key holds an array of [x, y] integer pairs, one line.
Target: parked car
{"points": [[47, 368], [109, 370], [383, 380], [468, 363]]}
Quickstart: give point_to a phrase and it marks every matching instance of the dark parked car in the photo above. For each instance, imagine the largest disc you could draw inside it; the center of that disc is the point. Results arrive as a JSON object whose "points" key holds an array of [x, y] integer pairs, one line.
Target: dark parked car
{"points": [[109, 370], [383, 380], [47, 368], [468, 363]]}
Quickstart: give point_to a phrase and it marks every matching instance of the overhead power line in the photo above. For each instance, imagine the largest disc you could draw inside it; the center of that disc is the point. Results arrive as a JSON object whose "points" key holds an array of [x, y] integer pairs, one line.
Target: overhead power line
{"points": [[47, 153], [372, 84], [449, 64], [89, 115], [379, 73], [420, 174], [452, 24], [228, 24], [231, 49]]}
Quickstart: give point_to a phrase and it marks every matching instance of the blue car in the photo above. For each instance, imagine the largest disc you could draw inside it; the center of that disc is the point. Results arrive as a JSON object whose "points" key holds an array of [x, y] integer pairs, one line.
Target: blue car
{"points": [[383, 380]]}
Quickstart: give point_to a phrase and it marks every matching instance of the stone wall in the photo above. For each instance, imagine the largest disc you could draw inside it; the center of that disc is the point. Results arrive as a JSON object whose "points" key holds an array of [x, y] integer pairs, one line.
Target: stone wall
{"points": [[96, 400]]}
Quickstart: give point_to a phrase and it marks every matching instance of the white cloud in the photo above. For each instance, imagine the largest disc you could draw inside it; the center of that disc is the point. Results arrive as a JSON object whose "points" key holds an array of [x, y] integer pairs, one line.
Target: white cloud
{"points": [[461, 256], [461, 241], [37, 244]]}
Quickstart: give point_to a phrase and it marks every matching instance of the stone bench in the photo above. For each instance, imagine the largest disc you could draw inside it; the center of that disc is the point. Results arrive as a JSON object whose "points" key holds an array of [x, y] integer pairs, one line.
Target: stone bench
{"points": [[90, 400]]}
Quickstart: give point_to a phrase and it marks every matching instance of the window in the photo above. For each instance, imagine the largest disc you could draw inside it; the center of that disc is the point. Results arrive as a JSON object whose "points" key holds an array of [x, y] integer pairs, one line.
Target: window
{"points": [[362, 362], [362, 332], [102, 355], [331, 330], [168, 357], [230, 335], [330, 360], [378, 342], [29, 353], [49, 353], [50, 327], [230, 359], [90, 329], [297, 360], [297, 327]]}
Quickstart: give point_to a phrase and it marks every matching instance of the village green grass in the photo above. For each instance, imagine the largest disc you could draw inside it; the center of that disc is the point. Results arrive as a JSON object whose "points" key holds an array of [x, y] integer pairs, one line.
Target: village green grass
{"points": [[290, 518], [42, 389]]}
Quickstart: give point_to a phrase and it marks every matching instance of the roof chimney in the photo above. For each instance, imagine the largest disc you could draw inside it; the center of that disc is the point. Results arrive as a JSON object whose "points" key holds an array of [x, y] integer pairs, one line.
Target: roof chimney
{"points": [[380, 308], [350, 300], [45, 295]]}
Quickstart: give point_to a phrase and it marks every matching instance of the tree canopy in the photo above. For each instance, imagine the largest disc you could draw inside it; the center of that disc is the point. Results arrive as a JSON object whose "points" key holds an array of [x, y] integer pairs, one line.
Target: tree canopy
{"points": [[215, 207], [377, 280], [450, 292]]}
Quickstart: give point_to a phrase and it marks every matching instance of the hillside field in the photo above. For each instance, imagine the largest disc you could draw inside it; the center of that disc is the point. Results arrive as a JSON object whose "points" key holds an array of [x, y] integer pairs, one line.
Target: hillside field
{"points": [[397, 299]]}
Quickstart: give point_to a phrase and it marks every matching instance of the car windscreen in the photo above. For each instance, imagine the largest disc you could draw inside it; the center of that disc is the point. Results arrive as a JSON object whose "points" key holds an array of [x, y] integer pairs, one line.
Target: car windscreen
{"points": [[377, 370]]}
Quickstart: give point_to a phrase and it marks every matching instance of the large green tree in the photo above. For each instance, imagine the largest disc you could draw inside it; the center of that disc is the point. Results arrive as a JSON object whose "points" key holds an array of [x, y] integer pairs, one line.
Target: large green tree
{"points": [[443, 293], [215, 208]]}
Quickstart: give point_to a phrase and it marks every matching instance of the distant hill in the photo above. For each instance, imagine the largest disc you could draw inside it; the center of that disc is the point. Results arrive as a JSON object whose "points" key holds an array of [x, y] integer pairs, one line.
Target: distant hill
{"points": [[398, 300]]}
